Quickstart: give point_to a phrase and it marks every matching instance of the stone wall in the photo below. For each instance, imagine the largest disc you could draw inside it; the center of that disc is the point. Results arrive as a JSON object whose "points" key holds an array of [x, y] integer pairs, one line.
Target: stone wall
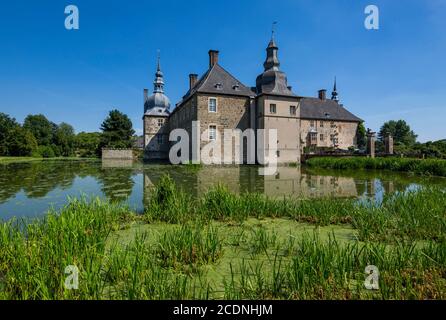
{"points": [[232, 113], [343, 131], [286, 124], [117, 154], [156, 138]]}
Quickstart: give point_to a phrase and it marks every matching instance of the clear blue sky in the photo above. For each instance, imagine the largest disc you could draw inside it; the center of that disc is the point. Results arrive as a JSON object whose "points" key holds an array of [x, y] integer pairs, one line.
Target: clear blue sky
{"points": [[396, 72]]}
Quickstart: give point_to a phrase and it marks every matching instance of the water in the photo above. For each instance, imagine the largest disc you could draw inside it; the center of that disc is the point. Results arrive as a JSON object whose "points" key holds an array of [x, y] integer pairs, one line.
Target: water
{"points": [[30, 189]]}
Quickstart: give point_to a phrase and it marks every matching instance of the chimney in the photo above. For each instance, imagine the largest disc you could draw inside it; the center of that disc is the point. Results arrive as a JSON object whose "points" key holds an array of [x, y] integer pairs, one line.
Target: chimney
{"points": [[213, 57], [193, 79], [323, 94], [146, 95]]}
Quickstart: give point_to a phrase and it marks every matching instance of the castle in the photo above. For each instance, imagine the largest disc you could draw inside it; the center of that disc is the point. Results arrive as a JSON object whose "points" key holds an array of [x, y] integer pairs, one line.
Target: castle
{"points": [[219, 101]]}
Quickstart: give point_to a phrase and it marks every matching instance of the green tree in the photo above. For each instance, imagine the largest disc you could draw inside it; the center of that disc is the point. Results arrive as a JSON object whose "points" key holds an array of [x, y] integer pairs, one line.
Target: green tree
{"points": [[41, 128], [88, 144], [20, 142], [6, 125], [117, 131], [361, 136], [46, 152], [64, 140], [401, 132]]}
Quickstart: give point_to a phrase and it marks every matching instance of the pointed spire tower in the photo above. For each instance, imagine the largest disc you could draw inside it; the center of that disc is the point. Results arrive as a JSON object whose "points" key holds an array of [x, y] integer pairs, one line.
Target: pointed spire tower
{"points": [[334, 94], [272, 53], [272, 80], [159, 78]]}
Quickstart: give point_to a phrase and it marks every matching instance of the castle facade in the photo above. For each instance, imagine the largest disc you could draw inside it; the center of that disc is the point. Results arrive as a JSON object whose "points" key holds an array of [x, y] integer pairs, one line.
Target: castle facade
{"points": [[218, 101]]}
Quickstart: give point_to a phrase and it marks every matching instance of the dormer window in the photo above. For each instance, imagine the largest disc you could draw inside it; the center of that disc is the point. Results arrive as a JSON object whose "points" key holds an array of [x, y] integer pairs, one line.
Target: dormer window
{"points": [[218, 86], [327, 115], [236, 87]]}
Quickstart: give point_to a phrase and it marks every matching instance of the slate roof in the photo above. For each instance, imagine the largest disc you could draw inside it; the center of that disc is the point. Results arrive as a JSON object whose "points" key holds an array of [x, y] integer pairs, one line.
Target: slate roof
{"points": [[315, 108], [157, 112], [273, 82], [219, 81]]}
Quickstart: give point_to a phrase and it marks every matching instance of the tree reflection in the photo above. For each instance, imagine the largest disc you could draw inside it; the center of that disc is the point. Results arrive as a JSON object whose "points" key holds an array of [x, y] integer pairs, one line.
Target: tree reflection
{"points": [[117, 183], [36, 179]]}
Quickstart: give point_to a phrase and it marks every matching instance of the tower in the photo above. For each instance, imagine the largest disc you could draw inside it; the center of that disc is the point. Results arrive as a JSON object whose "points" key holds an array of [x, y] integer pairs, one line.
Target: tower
{"points": [[277, 110], [334, 94], [156, 115]]}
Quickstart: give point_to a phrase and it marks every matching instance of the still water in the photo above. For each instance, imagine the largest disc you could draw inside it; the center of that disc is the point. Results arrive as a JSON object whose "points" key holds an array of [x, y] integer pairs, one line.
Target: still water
{"points": [[30, 189]]}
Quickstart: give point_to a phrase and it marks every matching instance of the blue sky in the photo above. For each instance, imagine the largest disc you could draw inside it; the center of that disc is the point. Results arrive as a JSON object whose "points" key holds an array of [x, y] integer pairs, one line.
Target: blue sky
{"points": [[397, 72]]}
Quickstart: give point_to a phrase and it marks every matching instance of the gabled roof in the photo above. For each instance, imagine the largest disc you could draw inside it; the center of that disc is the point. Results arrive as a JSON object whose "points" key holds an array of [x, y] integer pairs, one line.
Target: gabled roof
{"points": [[315, 108], [219, 81]]}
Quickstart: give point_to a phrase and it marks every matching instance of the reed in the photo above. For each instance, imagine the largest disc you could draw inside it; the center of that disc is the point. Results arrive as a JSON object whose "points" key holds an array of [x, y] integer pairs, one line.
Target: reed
{"points": [[191, 244], [417, 214], [218, 247]]}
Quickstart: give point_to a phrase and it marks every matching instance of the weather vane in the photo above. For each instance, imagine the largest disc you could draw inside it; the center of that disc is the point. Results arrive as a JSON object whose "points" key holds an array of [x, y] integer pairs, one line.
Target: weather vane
{"points": [[273, 29]]}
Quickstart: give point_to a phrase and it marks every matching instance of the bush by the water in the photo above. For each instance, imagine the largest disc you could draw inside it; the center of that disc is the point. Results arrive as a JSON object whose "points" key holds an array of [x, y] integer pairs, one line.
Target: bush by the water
{"points": [[420, 166]]}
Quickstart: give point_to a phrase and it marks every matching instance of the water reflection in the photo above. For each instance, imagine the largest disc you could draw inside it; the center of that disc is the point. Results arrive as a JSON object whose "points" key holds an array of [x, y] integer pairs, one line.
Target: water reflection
{"points": [[29, 189]]}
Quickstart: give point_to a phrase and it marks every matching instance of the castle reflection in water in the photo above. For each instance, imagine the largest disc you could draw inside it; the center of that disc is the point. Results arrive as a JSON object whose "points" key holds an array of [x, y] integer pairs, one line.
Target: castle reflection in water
{"points": [[287, 182], [30, 189]]}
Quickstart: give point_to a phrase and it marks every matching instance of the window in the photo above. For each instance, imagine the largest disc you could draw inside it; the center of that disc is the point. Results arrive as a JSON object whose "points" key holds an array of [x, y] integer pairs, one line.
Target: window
{"points": [[313, 138], [160, 139], [322, 124], [293, 110], [312, 123], [332, 124], [278, 154], [272, 108], [322, 137], [212, 105], [160, 122], [212, 133]]}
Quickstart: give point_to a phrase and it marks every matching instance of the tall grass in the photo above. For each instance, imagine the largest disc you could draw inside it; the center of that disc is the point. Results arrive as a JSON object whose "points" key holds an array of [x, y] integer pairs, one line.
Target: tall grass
{"points": [[33, 256], [176, 261], [190, 245], [426, 166], [328, 270], [417, 214]]}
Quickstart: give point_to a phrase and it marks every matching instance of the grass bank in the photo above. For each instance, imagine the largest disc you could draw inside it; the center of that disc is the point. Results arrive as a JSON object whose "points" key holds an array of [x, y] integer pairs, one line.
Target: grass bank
{"points": [[7, 160], [232, 247], [419, 166]]}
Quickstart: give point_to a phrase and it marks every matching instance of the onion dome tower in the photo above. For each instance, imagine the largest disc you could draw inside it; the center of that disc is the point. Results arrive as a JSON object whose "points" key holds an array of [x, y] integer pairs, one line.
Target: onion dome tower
{"points": [[158, 104]]}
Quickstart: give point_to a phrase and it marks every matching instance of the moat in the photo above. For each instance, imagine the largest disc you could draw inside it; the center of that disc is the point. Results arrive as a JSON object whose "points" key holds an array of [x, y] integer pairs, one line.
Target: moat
{"points": [[29, 189]]}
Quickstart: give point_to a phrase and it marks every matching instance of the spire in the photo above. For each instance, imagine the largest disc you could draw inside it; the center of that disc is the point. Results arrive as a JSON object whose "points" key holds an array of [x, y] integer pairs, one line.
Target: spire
{"points": [[334, 94], [159, 61], [272, 60], [159, 77]]}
